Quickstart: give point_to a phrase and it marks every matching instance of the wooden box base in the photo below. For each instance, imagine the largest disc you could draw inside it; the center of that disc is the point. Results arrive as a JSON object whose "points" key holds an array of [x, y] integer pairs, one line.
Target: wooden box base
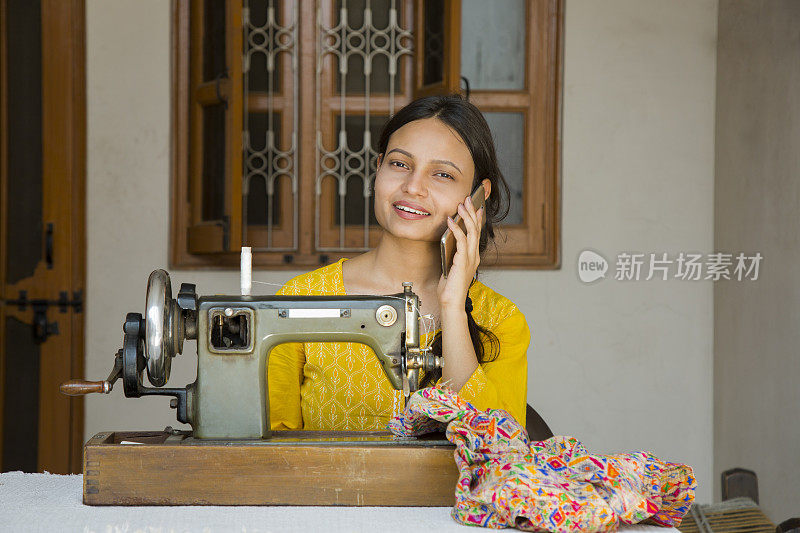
{"points": [[293, 468]]}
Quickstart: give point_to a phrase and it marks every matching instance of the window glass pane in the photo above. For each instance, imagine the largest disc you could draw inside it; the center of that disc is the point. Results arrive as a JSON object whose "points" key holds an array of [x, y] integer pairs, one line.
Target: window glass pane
{"points": [[379, 80], [493, 44], [354, 126], [258, 128], [261, 164], [258, 11], [23, 145], [213, 39], [354, 205], [433, 54], [355, 12], [257, 77], [354, 198], [509, 135], [213, 162], [257, 201], [380, 12], [355, 80]]}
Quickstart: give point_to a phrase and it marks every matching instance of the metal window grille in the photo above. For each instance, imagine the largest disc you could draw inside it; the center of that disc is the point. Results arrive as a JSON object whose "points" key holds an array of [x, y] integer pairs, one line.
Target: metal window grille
{"points": [[342, 163], [270, 162]]}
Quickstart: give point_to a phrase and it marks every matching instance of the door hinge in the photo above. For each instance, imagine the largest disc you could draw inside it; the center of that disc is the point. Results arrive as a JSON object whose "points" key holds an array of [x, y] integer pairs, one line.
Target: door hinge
{"points": [[64, 302], [42, 329]]}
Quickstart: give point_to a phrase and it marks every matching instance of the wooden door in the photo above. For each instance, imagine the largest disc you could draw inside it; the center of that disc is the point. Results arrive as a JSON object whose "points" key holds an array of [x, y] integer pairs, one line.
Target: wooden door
{"points": [[42, 233]]}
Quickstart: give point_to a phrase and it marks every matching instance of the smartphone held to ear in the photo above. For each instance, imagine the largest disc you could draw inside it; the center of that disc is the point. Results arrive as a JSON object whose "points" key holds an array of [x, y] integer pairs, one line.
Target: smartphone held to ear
{"points": [[448, 241]]}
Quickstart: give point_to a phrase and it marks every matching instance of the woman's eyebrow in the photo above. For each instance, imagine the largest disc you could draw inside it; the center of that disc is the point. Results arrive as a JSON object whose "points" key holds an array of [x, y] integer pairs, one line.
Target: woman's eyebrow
{"points": [[446, 162], [401, 151], [437, 161]]}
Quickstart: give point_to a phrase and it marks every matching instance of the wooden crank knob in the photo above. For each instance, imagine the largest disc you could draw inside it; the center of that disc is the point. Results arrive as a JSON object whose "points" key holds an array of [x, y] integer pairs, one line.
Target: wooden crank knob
{"points": [[78, 387]]}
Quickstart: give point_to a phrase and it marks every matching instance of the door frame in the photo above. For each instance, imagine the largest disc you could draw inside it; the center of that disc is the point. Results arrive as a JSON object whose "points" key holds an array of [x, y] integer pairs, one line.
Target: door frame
{"points": [[63, 24]]}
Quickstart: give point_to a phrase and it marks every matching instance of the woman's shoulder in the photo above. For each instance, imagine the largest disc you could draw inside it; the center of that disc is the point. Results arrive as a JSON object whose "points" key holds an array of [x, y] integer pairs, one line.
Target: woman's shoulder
{"points": [[490, 308], [325, 280]]}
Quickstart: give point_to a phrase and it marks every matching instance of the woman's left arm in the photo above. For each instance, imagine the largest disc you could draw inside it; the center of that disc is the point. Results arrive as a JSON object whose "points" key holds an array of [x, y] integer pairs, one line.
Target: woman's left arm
{"points": [[501, 384], [460, 360]]}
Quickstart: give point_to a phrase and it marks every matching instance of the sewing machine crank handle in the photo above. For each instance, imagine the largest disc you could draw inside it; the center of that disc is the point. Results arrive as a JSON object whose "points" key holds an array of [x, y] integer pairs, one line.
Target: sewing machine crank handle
{"points": [[79, 387]]}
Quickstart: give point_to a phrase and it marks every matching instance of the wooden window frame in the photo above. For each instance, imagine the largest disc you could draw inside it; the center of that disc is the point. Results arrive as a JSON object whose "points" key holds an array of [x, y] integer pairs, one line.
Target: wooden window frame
{"points": [[541, 246]]}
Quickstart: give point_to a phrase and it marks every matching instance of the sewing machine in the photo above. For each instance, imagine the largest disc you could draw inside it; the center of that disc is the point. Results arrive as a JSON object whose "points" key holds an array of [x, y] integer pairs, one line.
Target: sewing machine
{"points": [[231, 447], [235, 335]]}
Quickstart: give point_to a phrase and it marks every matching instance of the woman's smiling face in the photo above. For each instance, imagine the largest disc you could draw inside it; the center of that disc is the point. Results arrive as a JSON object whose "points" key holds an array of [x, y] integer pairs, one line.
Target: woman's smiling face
{"points": [[426, 172]]}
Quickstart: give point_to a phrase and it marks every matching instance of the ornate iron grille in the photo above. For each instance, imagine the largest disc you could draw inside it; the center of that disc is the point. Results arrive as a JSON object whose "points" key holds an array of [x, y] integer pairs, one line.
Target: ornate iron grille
{"points": [[270, 162], [343, 163]]}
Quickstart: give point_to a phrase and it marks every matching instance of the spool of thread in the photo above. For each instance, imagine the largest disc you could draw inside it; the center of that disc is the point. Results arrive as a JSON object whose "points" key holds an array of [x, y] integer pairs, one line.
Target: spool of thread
{"points": [[246, 270]]}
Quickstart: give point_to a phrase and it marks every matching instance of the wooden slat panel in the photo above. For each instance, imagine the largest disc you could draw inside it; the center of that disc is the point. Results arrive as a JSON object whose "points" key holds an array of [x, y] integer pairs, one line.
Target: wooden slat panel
{"points": [[78, 221], [205, 238], [307, 137], [63, 138], [234, 118], [195, 73], [180, 217], [545, 78], [451, 55]]}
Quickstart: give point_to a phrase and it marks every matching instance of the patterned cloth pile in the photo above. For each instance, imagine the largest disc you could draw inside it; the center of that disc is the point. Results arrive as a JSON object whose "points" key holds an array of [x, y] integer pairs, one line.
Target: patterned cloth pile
{"points": [[551, 485]]}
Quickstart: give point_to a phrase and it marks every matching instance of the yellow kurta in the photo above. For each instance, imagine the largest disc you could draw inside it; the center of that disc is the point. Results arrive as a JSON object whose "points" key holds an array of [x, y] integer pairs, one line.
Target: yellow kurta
{"points": [[341, 385]]}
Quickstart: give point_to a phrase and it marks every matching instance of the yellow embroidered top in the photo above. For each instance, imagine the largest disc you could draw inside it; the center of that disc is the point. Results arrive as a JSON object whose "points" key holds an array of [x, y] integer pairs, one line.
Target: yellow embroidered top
{"points": [[341, 385]]}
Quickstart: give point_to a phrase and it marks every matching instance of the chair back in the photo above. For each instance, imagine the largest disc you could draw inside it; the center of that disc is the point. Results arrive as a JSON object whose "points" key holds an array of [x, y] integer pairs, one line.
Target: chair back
{"points": [[535, 425]]}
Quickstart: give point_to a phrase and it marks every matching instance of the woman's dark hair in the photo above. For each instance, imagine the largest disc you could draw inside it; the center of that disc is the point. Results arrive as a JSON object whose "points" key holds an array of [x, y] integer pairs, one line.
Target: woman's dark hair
{"points": [[468, 122]]}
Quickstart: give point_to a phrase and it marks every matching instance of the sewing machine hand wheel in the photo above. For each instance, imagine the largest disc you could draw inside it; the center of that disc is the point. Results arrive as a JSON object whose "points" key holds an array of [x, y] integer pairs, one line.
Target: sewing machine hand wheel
{"points": [[164, 328]]}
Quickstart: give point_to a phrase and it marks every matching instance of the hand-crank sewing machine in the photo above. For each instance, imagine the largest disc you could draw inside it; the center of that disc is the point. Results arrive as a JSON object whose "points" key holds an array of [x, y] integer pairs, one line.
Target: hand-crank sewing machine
{"points": [[231, 456], [235, 335]]}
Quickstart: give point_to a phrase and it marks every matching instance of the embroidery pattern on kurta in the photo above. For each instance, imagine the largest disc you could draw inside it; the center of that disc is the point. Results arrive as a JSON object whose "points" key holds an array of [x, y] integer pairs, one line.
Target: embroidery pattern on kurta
{"points": [[343, 385]]}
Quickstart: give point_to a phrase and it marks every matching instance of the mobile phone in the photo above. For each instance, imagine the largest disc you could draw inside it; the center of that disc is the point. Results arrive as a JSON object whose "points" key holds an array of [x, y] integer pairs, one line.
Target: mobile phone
{"points": [[448, 240]]}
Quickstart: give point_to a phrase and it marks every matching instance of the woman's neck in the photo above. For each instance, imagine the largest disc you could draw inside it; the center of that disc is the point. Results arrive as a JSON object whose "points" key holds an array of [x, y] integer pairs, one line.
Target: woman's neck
{"points": [[395, 260]]}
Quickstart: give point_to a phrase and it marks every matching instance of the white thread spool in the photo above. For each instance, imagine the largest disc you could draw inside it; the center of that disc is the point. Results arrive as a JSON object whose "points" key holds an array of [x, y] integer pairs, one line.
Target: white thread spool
{"points": [[246, 270]]}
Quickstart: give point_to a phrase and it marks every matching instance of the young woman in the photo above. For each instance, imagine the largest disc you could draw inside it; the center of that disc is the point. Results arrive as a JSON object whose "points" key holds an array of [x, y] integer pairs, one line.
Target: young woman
{"points": [[432, 155]]}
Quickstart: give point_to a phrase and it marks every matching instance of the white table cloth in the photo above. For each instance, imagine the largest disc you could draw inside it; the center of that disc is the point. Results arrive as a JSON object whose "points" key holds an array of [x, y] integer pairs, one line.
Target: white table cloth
{"points": [[47, 502]]}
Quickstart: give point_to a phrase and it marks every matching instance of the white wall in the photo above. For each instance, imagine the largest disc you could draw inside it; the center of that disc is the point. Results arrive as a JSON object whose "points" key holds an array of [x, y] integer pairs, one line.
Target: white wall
{"points": [[628, 365], [756, 366], [622, 366]]}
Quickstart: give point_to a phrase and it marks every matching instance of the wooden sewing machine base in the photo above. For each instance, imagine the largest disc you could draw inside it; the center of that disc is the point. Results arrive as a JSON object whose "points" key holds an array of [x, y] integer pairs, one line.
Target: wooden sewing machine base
{"points": [[292, 468]]}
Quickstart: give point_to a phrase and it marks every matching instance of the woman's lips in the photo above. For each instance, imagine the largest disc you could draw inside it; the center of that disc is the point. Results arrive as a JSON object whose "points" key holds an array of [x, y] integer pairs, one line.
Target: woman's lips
{"points": [[408, 215]]}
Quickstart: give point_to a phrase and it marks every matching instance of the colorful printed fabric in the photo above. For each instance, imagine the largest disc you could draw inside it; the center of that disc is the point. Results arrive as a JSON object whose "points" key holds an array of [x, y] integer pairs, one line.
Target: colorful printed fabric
{"points": [[551, 485]]}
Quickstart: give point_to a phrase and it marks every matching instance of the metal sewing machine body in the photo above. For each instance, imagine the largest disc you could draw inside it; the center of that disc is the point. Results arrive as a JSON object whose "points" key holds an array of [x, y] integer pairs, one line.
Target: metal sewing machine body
{"points": [[235, 335]]}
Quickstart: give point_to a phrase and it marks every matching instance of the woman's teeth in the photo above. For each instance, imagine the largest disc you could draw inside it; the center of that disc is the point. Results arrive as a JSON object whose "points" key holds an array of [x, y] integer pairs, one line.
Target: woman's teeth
{"points": [[409, 210]]}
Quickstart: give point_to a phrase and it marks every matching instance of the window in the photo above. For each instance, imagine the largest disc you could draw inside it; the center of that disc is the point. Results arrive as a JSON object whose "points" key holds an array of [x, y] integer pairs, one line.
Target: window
{"points": [[278, 105]]}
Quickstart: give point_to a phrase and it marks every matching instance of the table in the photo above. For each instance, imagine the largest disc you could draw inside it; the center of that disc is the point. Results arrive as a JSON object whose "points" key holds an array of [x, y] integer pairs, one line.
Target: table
{"points": [[48, 502]]}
